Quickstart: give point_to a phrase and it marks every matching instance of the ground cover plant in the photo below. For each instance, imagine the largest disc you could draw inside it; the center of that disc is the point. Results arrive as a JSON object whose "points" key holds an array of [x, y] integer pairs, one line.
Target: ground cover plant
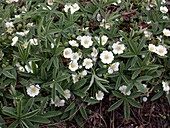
{"points": [[84, 63]]}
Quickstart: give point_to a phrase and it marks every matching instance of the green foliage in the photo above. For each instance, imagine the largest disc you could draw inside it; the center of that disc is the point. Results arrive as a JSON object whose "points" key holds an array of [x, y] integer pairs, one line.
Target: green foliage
{"points": [[40, 86]]}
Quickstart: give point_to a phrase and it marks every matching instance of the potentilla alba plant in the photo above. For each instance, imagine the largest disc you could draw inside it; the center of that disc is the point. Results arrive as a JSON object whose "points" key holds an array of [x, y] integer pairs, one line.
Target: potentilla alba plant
{"points": [[106, 57], [86, 41], [87, 63], [113, 67], [123, 90], [99, 95], [33, 90], [58, 102], [118, 48], [166, 32], [67, 53]]}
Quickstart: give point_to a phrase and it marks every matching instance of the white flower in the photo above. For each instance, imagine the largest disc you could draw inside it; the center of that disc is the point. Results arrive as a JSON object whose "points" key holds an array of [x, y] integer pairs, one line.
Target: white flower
{"points": [[73, 66], [1, 54], [29, 67], [148, 34], [106, 57], [94, 52], [58, 102], [78, 37], [33, 41], [123, 90], [67, 7], [163, 9], [165, 17], [152, 48], [99, 95], [18, 16], [33, 90], [9, 1], [144, 99], [75, 56], [166, 32], [67, 53], [87, 63], [104, 24], [83, 73], [14, 40], [104, 39], [163, 1], [50, 2], [98, 17], [166, 87], [118, 48], [75, 7], [86, 41], [21, 68], [9, 25], [113, 68], [67, 94], [52, 45], [117, 2], [161, 50], [75, 78], [23, 33], [30, 25], [25, 45], [73, 43]]}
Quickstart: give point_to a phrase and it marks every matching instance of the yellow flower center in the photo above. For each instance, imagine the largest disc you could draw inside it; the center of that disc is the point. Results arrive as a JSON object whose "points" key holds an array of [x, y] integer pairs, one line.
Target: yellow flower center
{"points": [[118, 48], [106, 57], [86, 41], [33, 90], [67, 53]]}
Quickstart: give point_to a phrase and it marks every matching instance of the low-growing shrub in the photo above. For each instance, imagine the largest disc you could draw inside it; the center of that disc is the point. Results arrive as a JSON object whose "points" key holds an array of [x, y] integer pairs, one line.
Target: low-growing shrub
{"points": [[58, 57]]}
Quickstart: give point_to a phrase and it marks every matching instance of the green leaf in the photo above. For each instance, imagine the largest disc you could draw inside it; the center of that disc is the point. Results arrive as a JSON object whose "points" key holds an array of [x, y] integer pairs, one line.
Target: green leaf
{"points": [[118, 82], [157, 95], [128, 55], [135, 95], [168, 97], [126, 110], [134, 103], [101, 86], [58, 51], [9, 111], [133, 47], [14, 124], [19, 108], [59, 89], [40, 26], [135, 74], [39, 119], [28, 105], [140, 87], [144, 78], [79, 84], [30, 114], [91, 82], [117, 94], [62, 78], [115, 105], [71, 106], [51, 114], [83, 112], [9, 75]]}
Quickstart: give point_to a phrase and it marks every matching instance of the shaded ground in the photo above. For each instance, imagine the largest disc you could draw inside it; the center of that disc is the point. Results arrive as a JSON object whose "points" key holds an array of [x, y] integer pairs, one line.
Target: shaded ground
{"points": [[153, 115]]}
